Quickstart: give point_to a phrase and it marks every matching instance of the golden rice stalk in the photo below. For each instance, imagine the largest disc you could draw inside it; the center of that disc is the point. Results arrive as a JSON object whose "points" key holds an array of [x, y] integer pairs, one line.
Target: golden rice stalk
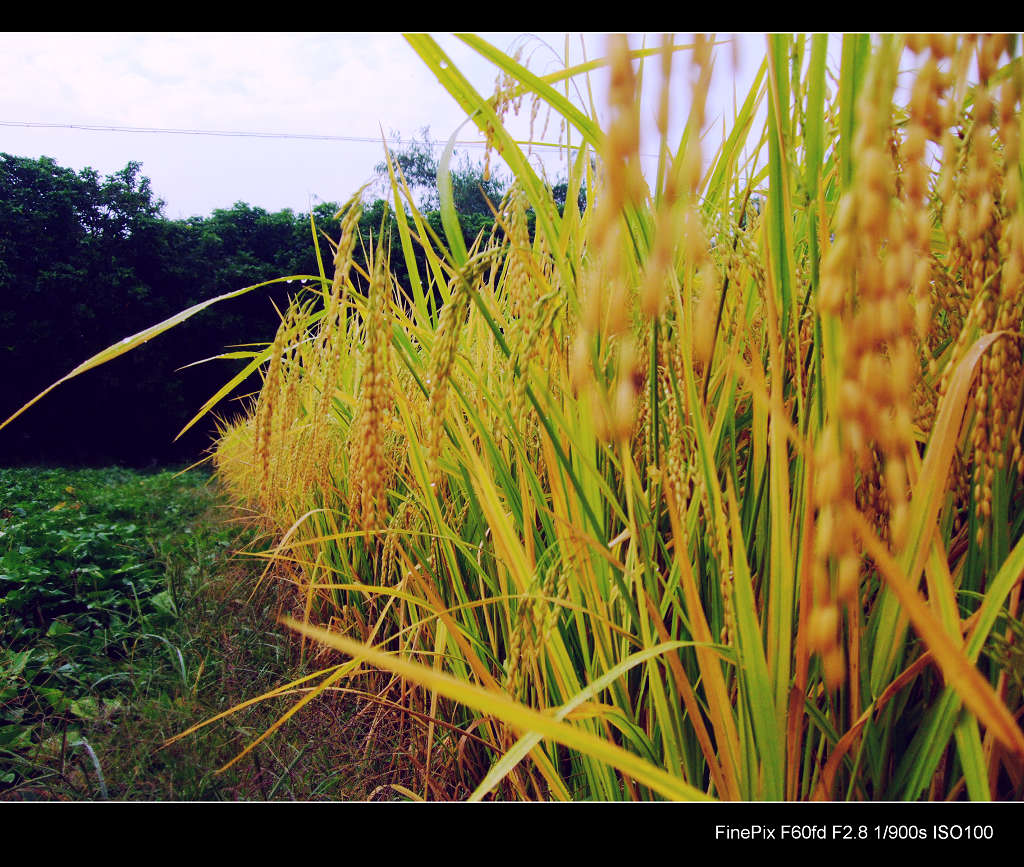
{"points": [[368, 462]]}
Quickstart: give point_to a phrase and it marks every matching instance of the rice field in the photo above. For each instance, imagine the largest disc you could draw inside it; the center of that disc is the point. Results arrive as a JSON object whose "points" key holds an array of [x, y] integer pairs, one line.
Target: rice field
{"points": [[708, 490]]}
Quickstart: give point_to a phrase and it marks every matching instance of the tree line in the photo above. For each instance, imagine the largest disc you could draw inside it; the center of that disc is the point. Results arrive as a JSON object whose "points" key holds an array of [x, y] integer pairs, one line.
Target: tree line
{"points": [[86, 260]]}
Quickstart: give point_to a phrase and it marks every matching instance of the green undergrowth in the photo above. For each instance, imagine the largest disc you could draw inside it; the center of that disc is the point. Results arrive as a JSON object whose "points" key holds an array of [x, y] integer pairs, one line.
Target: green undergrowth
{"points": [[127, 616]]}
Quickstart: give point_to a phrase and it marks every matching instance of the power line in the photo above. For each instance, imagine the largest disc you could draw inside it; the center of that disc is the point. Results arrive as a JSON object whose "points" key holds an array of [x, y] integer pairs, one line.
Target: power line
{"points": [[214, 132], [239, 134]]}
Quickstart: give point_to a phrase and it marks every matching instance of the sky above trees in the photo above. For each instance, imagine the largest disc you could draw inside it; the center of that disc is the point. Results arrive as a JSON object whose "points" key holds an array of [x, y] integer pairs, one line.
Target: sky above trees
{"points": [[353, 88]]}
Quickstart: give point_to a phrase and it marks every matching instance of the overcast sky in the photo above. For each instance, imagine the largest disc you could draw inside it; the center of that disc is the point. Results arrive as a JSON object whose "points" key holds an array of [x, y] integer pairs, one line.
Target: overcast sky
{"points": [[333, 84]]}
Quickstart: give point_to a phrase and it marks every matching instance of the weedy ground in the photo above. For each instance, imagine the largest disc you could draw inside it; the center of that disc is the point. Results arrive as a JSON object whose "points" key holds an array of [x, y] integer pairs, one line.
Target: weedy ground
{"points": [[128, 615]]}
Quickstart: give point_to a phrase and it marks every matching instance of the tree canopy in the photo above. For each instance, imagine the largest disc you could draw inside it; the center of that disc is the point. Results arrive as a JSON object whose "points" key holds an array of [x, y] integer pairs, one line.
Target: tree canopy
{"points": [[419, 163]]}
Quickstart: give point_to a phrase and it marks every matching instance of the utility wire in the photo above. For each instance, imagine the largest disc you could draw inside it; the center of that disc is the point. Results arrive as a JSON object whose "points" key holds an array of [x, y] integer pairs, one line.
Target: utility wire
{"points": [[239, 134]]}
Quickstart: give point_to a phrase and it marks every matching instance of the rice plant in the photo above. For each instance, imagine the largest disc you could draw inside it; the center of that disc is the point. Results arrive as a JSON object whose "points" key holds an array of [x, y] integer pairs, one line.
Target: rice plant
{"points": [[707, 490]]}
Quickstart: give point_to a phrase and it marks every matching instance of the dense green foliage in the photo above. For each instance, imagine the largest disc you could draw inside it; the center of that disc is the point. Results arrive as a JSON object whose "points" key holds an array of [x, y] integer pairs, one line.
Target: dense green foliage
{"points": [[96, 566], [77, 547], [127, 618], [86, 260]]}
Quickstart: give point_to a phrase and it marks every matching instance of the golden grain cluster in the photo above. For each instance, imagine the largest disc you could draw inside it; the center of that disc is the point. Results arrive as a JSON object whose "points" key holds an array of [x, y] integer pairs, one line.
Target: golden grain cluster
{"points": [[684, 481]]}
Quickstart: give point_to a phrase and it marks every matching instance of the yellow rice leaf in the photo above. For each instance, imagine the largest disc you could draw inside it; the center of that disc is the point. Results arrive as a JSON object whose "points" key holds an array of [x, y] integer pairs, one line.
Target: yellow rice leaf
{"points": [[512, 712], [924, 510], [956, 667]]}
